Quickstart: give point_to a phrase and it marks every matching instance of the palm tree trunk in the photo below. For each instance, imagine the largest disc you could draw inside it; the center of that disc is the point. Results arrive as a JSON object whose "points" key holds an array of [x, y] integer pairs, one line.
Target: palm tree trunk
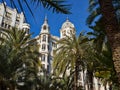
{"points": [[12, 87], [105, 88], [113, 32], [110, 85], [76, 75], [3, 85], [90, 80], [99, 84], [84, 79]]}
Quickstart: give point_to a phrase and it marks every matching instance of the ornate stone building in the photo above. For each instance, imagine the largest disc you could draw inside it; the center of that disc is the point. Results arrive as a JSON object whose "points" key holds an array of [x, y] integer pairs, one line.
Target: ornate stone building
{"points": [[48, 43], [9, 18]]}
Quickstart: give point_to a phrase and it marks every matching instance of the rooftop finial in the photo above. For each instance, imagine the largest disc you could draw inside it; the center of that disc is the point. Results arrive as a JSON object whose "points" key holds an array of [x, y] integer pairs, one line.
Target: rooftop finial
{"points": [[46, 17], [46, 20], [67, 19]]}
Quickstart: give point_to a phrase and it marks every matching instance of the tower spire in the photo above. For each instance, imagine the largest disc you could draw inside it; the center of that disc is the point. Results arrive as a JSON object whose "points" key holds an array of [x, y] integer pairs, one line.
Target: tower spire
{"points": [[45, 20], [67, 19], [45, 26]]}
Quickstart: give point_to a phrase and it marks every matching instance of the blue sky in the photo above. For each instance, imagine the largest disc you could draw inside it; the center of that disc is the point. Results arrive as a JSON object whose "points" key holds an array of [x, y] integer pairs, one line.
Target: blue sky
{"points": [[78, 17]]}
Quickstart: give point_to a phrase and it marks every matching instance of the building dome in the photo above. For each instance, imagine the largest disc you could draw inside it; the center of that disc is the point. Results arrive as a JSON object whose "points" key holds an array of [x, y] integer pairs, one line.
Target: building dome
{"points": [[67, 23], [67, 29]]}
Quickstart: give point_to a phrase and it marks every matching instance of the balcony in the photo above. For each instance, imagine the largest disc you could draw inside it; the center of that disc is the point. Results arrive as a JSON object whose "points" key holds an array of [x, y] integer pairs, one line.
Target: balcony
{"points": [[7, 19]]}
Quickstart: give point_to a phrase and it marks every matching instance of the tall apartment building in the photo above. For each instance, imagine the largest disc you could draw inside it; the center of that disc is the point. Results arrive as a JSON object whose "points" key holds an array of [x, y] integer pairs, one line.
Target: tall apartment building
{"points": [[9, 18], [48, 43]]}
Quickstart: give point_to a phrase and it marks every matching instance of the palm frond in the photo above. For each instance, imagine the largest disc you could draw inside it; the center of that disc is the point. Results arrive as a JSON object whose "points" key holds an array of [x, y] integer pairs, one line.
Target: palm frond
{"points": [[92, 5], [56, 6], [93, 15]]}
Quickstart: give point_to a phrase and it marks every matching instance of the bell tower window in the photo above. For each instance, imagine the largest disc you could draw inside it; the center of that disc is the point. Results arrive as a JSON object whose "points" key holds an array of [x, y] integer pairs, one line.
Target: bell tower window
{"points": [[64, 32], [44, 27], [43, 47], [44, 38], [43, 57]]}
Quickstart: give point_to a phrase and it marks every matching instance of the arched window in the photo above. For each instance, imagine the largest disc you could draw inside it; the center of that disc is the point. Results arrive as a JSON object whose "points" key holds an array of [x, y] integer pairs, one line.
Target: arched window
{"points": [[44, 27], [48, 68], [43, 57], [43, 66], [2, 24], [44, 38], [54, 44], [48, 59], [64, 32], [80, 77], [43, 47], [70, 31]]}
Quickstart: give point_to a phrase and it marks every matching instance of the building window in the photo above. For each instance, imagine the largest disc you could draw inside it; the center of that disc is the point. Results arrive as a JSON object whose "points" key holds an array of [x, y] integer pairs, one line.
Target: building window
{"points": [[64, 32], [2, 24], [5, 25], [43, 57], [9, 27], [79, 76], [44, 38], [8, 14], [48, 68], [54, 44], [43, 47], [44, 27], [70, 31], [43, 66], [18, 19], [48, 59]]}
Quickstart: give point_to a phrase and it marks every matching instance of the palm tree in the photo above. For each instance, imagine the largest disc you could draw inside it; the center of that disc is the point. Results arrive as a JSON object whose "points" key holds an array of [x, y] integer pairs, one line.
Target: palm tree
{"points": [[97, 40], [112, 30], [91, 63], [105, 71], [69, 56], [17, 53], [57, 6], [98, 35], [64, 83], [95, 11], [102, 53]]}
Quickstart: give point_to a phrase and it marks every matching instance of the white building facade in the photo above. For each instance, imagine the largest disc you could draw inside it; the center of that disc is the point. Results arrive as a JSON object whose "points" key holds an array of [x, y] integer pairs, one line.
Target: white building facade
{"points": [[48, 43], [9, 18]]}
